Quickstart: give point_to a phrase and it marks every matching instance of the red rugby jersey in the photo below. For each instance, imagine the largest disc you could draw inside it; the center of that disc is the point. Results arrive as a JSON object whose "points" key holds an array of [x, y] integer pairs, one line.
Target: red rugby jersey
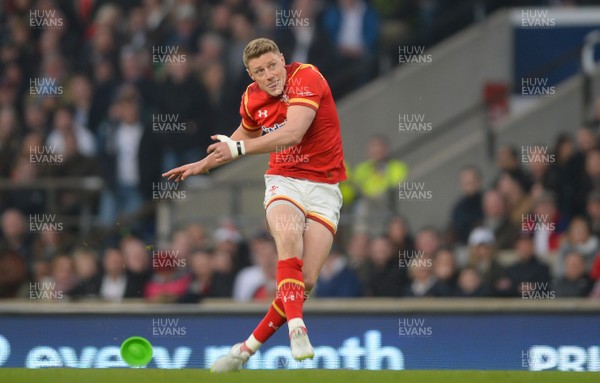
{"points": [[319, 156]]}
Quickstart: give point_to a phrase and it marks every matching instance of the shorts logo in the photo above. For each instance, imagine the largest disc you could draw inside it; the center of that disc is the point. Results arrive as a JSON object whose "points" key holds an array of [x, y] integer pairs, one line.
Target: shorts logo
{"points": [[262, 113], [273, 190]]}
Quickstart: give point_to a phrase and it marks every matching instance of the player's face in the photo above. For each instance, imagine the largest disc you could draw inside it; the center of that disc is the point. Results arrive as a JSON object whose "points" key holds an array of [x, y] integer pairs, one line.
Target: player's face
{"points": [[268, 70]]}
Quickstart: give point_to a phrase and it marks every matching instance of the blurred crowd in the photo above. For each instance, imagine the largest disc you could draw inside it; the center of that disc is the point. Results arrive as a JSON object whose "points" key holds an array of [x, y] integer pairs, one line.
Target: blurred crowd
{"points": [[124, 90], [533, 233]]}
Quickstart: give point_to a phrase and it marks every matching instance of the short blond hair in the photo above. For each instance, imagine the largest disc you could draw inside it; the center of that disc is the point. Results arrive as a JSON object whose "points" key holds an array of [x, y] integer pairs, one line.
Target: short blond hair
{"points": [[257, 48]]}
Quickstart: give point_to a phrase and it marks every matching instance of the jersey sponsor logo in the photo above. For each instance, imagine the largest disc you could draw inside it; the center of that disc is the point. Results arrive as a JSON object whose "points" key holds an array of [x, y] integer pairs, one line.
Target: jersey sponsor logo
{"points": [[305, 94], [273, 190], [273, 128], [262, 113]]}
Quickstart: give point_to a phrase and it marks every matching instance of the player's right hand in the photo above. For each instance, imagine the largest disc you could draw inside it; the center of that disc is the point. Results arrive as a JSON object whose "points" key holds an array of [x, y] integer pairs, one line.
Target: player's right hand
{"points": [[185, 171]]}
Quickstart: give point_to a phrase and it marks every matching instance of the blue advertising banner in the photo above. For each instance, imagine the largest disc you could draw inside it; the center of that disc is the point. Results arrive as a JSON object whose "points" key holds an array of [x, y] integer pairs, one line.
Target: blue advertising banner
{"points": [[432, 341], [547, 46]]}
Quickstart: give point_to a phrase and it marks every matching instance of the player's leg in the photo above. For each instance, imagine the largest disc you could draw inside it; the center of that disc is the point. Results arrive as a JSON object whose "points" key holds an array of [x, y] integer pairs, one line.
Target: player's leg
{"points": [[318, 240], [317, 244], [286, 219], [323, 215], [287, 224]]}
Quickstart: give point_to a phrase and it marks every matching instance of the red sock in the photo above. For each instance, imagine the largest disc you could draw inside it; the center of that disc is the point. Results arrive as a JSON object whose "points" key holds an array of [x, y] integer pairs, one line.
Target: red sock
{"points": [[290, 286], [274, 318]]}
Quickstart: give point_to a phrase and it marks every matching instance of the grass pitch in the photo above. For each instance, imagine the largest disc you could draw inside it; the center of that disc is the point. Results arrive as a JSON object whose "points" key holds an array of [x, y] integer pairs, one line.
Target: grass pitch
{"points": [[63, 375]]}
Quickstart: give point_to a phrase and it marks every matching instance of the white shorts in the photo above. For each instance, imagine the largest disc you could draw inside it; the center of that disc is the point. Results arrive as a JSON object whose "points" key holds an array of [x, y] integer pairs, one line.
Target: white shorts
{"points": [[319, 202]]}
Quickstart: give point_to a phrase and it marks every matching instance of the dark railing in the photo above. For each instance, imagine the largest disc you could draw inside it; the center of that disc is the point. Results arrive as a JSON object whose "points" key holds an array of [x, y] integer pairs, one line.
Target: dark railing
{"points": [[87, 187]]}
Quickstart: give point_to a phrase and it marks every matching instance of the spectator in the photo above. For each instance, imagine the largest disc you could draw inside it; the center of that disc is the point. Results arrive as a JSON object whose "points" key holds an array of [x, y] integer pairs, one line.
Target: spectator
{"points": [[467, 211], [135, 73], [136, 34], [590, 182], [266, 24], [80, 97], [130, 158], [559, 174], [223, 274], [196, 235], [539, 161], [74, 163], [88, 274], [137, 264], [181, 244], [399, 235], [337, 279], [104, 83], [386, 279], [113, 284], [157, 20], [186, 31], [353, 27], [376, 181], [15, 234], [184, 99], [595, 271], [311, 44], [218, 99], [101, 47], [508, 162], [54, 77], [211, 49], [229, 239], [427, 241], [13, 273], [358, 256], [445, 272], [470, 284], [9, 140], [422, 282], [580, 167], [62, 276], [544, 224], [48, 244], [593, 212], [242, 32], [169, 282], [483, 259], [528, 270], [257, 282], [201, 285], [496, 219], [518, 202], [575, 282], [40, 270], [64, 125], [579, 239], [36, 119], [220, 20]]}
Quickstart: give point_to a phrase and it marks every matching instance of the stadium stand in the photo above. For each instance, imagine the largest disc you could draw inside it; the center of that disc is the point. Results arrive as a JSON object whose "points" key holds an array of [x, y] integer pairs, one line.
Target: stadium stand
{"points": [[78, 218]]}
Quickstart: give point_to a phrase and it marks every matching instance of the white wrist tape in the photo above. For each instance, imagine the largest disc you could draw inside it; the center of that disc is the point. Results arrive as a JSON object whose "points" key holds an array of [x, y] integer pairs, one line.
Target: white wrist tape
{"points": [[236, 148]]}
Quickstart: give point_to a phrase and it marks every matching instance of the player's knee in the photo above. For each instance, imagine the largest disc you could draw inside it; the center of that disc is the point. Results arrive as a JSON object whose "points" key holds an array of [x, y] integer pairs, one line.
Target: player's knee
{"points": [[288, 243]]}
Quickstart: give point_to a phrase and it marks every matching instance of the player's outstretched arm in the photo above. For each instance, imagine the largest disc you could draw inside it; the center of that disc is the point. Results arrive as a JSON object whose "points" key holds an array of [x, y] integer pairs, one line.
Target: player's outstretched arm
{"points": [[207, 163], [299, 119]]}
